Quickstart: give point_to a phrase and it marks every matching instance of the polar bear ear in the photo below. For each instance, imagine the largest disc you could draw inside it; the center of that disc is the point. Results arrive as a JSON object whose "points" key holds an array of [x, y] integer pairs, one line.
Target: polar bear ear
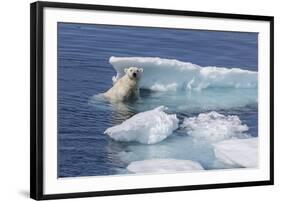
{"points": [[141, 69], [125, 70]]}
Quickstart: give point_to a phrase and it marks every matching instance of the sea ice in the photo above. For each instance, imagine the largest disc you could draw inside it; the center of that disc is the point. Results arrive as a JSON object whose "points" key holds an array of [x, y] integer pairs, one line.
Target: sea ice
{"points": [[163, 166], [169, 75], [214, 126], [147, 127], [241, 152]]}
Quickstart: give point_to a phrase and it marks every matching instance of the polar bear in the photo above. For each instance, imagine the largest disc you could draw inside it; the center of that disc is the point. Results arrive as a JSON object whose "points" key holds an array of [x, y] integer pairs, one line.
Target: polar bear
{"points": [[127, 87]]}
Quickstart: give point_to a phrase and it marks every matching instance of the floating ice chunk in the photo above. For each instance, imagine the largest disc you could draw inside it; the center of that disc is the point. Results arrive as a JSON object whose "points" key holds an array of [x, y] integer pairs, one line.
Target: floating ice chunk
{"points": [[147, 127], [241, 152], [167, 74], [160, 87], [214, 126], [163, 166]]}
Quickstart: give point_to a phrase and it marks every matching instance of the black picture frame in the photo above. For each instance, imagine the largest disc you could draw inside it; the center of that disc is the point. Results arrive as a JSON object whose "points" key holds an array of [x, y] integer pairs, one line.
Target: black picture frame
{"points": [[37, 101]]}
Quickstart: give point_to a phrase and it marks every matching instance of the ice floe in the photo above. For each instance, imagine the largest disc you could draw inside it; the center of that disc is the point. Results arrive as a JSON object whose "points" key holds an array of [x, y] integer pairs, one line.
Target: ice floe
{"points": [[147, 127], [241, 152], [163, 166], [214, 126], [169, 74]]}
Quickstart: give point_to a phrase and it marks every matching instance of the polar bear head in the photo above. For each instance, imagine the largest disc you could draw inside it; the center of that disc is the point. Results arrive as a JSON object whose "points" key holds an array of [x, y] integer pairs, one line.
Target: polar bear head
{"points": [[133, 72]]}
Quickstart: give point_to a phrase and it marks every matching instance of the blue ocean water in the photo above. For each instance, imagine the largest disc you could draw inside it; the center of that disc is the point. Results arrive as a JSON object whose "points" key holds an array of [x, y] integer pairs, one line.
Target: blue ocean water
{"points": [[84, 71]]}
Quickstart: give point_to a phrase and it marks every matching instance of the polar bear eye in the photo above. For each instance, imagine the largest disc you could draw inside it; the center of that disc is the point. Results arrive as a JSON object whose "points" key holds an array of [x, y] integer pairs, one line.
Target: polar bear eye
{"points": [[131, 70]]}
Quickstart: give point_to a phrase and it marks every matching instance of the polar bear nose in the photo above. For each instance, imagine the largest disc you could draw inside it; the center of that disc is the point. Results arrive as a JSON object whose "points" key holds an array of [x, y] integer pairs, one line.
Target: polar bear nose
{"points": [[134, 74]]}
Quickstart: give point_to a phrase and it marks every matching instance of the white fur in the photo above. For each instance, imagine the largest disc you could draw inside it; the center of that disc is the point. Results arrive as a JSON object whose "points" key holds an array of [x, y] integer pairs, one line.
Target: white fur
{"points": [[126, 87]]}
